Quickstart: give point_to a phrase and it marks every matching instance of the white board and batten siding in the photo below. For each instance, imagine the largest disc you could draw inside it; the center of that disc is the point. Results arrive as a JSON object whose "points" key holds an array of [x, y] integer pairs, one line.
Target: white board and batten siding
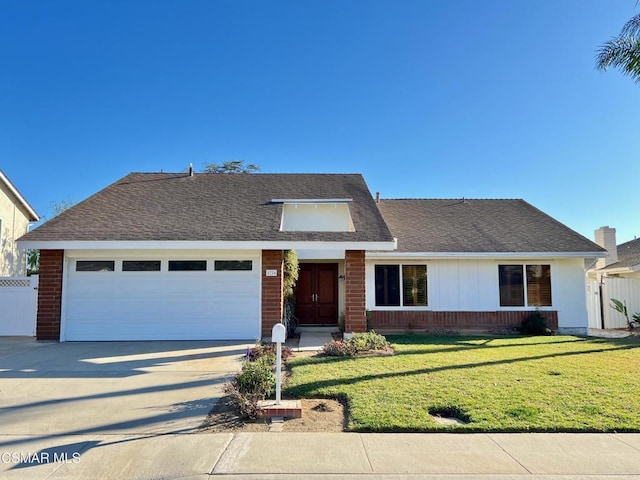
{"points": [[161, 305], [18, 305], [471, 285]]}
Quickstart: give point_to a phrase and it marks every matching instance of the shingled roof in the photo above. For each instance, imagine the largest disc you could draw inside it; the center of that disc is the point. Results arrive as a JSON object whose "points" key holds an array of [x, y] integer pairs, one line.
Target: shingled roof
{"points": [[628, 256], [439, 225], [211, 207]]}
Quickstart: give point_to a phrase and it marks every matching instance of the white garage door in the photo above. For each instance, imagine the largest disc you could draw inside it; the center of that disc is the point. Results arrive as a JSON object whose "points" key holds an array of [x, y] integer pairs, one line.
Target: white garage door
{"points": [[162, 299]]}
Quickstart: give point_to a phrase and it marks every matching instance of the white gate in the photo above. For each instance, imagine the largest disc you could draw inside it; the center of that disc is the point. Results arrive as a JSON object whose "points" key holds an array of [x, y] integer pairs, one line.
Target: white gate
{"points": [[593, 305], [623, 289], [18, 305]]}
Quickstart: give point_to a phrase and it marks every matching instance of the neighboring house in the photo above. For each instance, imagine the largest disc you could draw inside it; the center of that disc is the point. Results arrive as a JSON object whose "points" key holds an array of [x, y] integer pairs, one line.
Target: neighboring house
{"points": [[615, 276], [621, 260], [15, 216], [200, 256]]}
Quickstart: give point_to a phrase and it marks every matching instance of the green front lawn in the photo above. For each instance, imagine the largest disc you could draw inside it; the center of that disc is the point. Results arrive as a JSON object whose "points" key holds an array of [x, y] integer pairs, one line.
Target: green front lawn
{"points": [[509, 384]]}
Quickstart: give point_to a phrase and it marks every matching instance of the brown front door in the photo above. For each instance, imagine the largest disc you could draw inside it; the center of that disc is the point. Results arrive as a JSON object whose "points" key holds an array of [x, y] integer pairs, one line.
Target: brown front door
{"points": [[317, 294]]}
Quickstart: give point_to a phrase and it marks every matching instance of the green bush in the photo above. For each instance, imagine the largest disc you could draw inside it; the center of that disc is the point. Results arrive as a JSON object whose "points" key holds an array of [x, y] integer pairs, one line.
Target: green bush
{"points": [[367, 341], [254, 383], [257, 378], [535, 324], [360, 342]]}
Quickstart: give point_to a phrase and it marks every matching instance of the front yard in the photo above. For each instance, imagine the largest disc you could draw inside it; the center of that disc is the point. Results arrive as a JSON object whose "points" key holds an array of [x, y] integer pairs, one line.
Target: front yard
{"points": [[496, 384]]}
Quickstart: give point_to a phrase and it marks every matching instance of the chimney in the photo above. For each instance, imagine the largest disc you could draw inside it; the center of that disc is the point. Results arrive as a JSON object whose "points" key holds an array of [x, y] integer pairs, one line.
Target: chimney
{"points": [[191, 169], [377, 197], [606, 237]]}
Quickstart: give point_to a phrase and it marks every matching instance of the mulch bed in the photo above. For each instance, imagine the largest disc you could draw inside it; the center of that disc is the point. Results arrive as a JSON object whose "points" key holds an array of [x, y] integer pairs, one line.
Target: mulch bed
{"points": [[318, 415]]}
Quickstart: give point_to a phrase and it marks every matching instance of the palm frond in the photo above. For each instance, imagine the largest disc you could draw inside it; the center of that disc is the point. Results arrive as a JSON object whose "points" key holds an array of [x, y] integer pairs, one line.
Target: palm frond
{"points": [[622, 53], [632, 27]]}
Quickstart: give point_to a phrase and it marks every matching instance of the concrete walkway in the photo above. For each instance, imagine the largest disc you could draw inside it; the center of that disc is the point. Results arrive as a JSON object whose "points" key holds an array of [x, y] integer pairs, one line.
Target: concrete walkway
{"points": [[253, 456], [313, 341]]}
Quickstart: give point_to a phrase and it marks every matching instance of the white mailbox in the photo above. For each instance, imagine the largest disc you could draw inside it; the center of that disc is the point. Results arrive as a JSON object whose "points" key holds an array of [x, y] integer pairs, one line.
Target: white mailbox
{"points": [[278, 333], [278, 336]]}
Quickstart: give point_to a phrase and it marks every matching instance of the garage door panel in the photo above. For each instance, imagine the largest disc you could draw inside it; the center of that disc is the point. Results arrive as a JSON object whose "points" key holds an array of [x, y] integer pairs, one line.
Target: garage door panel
{"points": [[162, 305]]}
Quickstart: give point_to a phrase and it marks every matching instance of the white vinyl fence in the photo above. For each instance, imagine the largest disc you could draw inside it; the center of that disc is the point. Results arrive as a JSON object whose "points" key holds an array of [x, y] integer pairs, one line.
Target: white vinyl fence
{"points": [[623, 289], [18, 305]]}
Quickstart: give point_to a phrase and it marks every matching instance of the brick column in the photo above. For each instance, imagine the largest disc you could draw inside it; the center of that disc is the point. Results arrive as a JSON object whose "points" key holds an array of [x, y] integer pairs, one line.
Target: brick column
{"points": [[272, 302], [49, 294], [355, 295]]}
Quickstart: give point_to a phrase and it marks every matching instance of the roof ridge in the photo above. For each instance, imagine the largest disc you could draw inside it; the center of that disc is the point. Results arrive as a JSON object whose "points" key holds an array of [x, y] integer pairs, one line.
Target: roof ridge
{"points": [[452, 198]]}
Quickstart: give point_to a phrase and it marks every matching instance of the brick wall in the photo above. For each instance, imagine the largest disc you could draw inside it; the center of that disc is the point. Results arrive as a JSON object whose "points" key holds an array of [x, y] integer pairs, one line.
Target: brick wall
{"points": [[437, 321], [272, 302], [355, 296], [49, 295]]}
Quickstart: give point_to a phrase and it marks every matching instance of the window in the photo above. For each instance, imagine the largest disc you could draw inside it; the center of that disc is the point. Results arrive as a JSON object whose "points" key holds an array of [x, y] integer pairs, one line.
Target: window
{"points": [[316, 216], [520, 282], [233, 265], [410, 292], [141, 266], [95, 266], [187, 265]]}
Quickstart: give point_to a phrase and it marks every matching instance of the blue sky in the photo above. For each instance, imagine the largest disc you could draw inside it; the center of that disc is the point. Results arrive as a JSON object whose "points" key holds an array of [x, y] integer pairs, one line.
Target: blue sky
{"points": [[429, 99]]}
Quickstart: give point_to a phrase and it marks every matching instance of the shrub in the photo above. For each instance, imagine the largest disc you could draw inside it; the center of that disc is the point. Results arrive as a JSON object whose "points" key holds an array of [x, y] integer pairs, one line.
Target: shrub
{"points": [[255, 382], [338, 348], [268, 350], [246, 404], [256, 378], [364, 342], [535, 324], [360, 342]]}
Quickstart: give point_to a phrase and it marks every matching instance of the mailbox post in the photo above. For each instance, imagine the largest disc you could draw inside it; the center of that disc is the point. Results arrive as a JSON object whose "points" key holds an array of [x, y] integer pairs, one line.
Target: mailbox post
{"points": [[278, 335]]}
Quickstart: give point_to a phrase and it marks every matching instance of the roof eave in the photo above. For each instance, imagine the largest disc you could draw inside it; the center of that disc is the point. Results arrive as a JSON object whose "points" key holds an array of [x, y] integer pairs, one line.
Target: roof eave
{"points": [[202, 245], [34, 217], [486, 255], [619, 270]]}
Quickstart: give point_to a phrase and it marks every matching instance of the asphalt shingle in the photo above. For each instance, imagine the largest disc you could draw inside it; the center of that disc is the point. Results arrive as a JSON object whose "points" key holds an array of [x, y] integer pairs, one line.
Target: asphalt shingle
{"points": [[469, 225], [211, 207]]}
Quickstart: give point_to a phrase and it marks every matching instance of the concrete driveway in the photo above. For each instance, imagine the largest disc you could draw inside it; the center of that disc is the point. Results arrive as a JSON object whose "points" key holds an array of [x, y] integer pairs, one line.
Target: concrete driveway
{"points": [[87, 388]]}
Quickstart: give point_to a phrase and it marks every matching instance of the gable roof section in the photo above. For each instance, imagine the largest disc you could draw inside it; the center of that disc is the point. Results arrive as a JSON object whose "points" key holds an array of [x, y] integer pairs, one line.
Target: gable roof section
{"points": [[628, 257], [30, 212], [479, 226], [210, 207]]}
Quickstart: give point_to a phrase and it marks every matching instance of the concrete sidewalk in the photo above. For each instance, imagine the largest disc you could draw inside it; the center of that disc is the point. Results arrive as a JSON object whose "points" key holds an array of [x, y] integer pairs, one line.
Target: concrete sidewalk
{"points": [[253, 456]]}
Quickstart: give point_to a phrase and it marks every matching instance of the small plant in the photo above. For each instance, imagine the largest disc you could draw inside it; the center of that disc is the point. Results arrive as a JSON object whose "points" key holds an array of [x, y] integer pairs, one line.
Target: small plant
{"points": [[621, 307], [268, 350], [246, 404], [338, 348], [535, 324], [254, 383]]}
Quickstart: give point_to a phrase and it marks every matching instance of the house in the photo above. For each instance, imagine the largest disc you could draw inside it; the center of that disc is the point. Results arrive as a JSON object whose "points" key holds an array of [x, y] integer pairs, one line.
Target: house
{"points": [[200, 256], [15, 216], [614, 276], [620, 261]]}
